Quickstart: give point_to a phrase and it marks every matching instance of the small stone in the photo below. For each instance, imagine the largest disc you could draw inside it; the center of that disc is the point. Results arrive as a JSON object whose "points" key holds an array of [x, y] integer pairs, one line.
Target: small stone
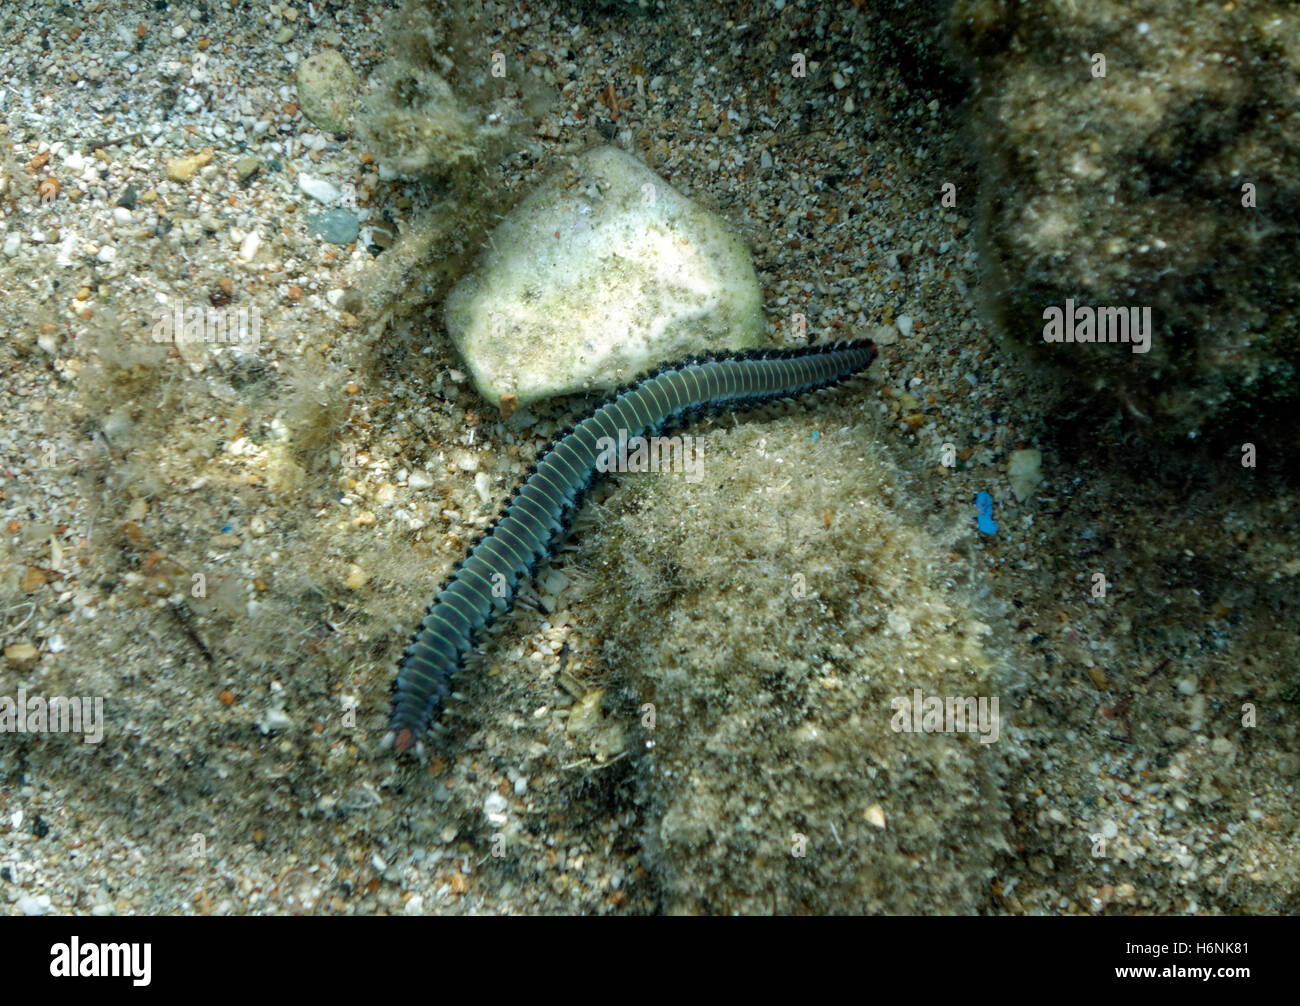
{"points": [[585, 717], [1025, 472], [246, 168], [904, 323], [420, 480], [248, 248], [338, 227], [875, 815], [274, 719], [121, 216], [182, 169], [495, 804], [319, 189], [356, 578], [127, 199], [35, 904], [1109, 829], [328, 91], [13, 244], [21, 653]]}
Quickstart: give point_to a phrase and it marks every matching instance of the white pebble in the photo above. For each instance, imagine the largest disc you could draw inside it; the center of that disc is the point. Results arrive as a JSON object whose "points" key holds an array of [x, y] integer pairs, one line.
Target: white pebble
{"points": [[107, 254], [420, 479], [13, 244], [319, 189], [249, 247], [121, 216], [904, 323], [35, 904], [275, 719], [1109, 829]]}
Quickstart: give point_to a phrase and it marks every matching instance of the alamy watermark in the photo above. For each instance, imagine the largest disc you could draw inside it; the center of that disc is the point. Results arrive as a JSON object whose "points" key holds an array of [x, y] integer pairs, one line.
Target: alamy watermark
{"points": [[952, 714], [1098, 324], [59, 714], [176, 323], [651, 454]]}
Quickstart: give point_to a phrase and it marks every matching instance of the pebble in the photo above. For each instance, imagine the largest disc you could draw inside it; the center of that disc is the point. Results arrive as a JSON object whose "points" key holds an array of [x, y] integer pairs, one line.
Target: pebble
{"points": [[35, 904], [248, 247], [875, 815], [420, 480], [338, 227], [356, 578], [13, 244], [319, 189], [275, 719], [904, 323], [1025, 472], [121, 216], [328, 91], [182, 169], [21, 653]]}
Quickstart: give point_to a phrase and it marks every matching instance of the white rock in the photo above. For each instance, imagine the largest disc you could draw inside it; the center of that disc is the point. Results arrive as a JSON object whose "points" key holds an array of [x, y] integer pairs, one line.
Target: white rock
{"points": [[420, 479], [495, 807], [249, 246], [121, 216], [1025, 471], [904, 323], [35, 904], [599, 274], [275, 719], [13, 244], [319, 189]]}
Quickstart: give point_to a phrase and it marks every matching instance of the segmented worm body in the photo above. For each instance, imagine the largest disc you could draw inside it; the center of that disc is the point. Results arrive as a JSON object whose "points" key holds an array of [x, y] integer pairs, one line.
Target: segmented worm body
{"points": [[538, 513]]}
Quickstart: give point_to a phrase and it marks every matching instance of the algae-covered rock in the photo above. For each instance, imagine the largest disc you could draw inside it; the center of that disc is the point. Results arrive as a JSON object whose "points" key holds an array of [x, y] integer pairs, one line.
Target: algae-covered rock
{"points": [[1171, 182], [328, 91], [447, 100], [600, 273], [777, 617]]}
